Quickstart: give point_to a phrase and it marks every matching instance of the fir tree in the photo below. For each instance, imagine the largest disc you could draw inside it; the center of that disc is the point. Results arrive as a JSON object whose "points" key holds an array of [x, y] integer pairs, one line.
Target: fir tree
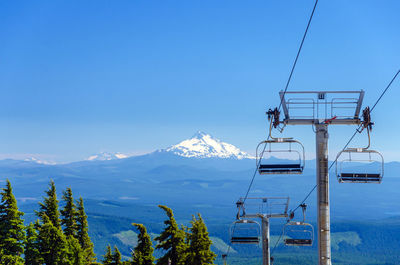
{"points": [[83, 233], [12, 230], [143, 252], [171, 240], [69, 214], [52, 243], [75, 252], [9, 259], [49, 206], [32, 255], [116, 257], [199, 252], [108, 257]]}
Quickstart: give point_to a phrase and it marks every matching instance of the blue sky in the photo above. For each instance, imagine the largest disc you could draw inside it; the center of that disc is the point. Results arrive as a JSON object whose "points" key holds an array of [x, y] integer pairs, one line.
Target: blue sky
{"points": [[79, 77]]}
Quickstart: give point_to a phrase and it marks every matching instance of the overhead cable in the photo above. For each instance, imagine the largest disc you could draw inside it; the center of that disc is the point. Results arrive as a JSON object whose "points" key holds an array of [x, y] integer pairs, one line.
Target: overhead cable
{"points": [[298, 52]]}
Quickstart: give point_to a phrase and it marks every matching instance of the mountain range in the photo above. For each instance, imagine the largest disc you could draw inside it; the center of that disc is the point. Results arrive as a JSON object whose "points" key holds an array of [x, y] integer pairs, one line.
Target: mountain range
{"points": [[200, 170], [106, 156], [200, 145], [201, 174]]}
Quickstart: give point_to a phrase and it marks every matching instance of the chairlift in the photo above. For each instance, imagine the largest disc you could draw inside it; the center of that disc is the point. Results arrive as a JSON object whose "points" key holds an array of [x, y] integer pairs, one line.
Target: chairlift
{"points": [[245, 231], [282, 147], [360, 165], [289, 147], [299, 233]]}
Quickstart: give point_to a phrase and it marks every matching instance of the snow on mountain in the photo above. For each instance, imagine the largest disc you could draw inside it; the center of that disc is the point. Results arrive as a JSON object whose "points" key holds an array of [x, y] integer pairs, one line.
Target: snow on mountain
{"points": [[106, 156], [203, 145], [38, 161]]}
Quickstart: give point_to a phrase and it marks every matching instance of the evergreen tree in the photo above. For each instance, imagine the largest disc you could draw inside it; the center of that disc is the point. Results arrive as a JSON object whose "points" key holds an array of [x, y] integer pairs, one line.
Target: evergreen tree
{"points": [[199, 252], [116, 257], [143, 252], [69, 214], [9, 259], [108, 257], [171, 240], [49, 207], [12, 230], [83, 233], [52, 243], [75, 252], [32, 255]]}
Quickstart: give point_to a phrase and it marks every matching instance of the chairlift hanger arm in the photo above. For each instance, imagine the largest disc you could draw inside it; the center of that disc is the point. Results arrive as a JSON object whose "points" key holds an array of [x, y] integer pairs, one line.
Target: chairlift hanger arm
{"points": [[274, 119]]}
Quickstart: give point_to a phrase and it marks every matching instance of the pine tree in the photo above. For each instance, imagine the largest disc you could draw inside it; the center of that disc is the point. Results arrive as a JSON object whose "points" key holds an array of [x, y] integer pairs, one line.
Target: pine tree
{"points": [[49, 207], [116, 257], [69, 214], [52, 243], [83, 233], [32, 255], [171, 240], [143, 252], [199, 252], [12, 229], [108, 257]]}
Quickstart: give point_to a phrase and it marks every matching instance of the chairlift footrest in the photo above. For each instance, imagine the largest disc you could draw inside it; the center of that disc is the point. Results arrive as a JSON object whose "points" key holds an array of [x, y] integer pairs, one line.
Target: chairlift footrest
{"points": [[265, 169], [298, 242], [360, 178]]}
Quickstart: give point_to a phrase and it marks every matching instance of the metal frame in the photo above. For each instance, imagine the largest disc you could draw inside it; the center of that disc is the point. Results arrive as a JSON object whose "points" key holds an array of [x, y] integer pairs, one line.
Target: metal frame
{"points": [[266, 207], [321, 123], [323, 103], [264, 213]]}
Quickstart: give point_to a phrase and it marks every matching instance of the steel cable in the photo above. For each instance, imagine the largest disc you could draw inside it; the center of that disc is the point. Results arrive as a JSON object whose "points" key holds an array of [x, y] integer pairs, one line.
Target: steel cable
{"points": [[298, 53]]}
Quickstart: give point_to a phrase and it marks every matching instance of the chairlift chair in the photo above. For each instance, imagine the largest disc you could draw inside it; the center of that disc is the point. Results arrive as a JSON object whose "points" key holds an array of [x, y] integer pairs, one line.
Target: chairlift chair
{"points": [[358, 173], [292, 146], [349, 171], [298, 234], [245, 231]]}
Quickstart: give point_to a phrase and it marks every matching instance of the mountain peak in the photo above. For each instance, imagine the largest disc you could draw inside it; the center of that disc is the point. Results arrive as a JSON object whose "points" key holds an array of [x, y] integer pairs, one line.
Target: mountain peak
{"points": [[200, 134], [203, 145]]}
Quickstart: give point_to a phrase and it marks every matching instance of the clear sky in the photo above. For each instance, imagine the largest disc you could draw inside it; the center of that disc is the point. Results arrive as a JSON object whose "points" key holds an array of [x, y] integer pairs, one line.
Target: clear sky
{"points": [[80, 77]]}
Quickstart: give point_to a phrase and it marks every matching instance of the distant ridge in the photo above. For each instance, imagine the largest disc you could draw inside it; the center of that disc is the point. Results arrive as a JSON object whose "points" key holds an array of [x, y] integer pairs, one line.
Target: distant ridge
{"points": [[39, 161], [103, 156], [203, 145]]}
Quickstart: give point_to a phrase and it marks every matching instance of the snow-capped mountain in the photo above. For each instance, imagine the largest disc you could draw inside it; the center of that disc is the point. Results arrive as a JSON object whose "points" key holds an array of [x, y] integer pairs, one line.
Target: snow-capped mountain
{"points": [[203, 145], [106, 156]]}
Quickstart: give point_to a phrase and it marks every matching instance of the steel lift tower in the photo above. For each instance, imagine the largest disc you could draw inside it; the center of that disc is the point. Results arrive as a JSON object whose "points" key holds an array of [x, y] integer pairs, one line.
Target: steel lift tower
{"points": [[264, 208], [322, 109]]}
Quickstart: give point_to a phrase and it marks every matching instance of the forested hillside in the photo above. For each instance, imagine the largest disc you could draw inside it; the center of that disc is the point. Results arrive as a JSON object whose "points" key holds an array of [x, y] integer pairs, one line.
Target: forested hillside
{"points": [[60, 236], [353, 242]]}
